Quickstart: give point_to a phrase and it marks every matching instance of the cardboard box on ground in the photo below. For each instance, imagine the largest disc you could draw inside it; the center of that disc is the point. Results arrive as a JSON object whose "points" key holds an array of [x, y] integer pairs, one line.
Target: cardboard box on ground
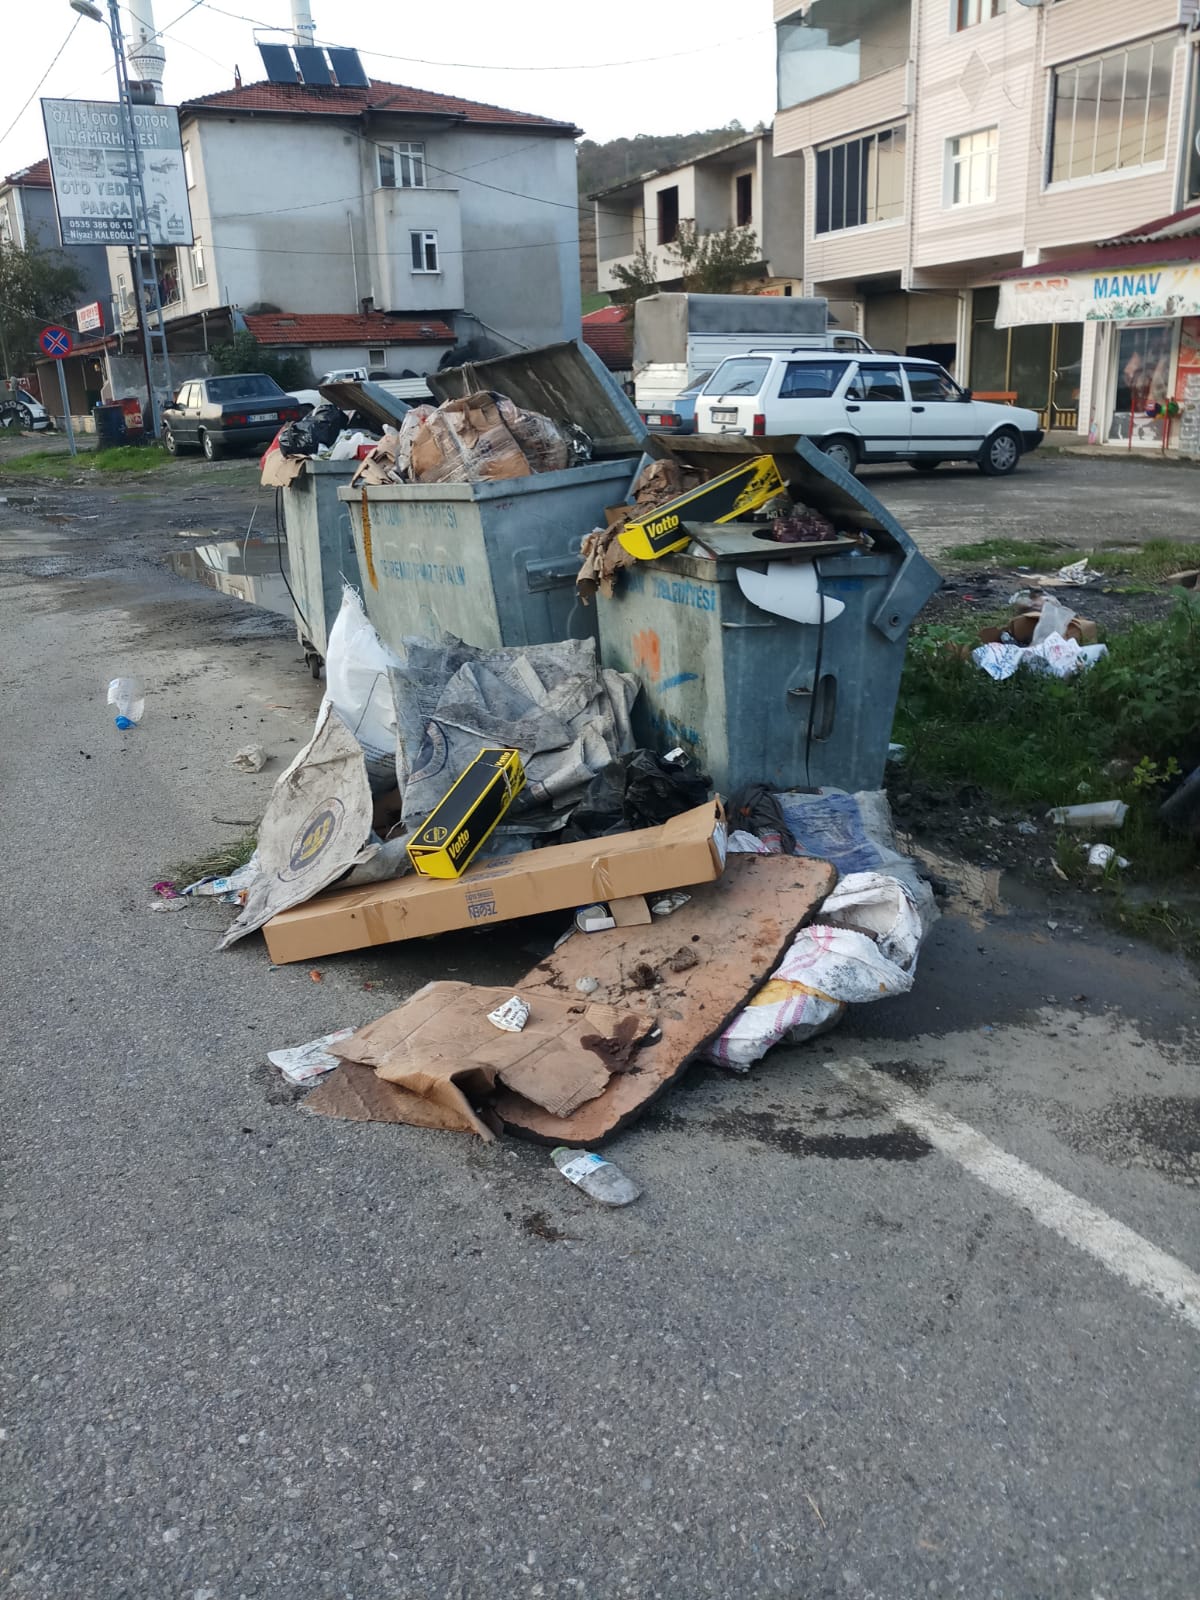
{"points": [[688, 850]]}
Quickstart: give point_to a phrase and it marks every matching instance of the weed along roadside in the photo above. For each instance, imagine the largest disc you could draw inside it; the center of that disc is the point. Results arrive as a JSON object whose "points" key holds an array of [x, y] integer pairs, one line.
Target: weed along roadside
{"points": [[987, 762]]}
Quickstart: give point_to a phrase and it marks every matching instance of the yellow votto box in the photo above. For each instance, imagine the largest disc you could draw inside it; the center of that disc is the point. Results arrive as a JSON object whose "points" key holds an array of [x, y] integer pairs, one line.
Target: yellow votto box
{"points": [[734, 494], [460, 824]]}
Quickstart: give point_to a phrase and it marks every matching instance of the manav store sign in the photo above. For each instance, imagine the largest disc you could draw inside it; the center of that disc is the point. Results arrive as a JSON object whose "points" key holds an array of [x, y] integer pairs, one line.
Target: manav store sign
{"points": [[1137, 296], [92, 181]]}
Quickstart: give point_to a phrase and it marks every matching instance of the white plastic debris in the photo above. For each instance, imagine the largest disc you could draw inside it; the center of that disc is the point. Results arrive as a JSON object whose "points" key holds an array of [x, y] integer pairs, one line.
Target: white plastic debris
{"points": [[1054, 654], [305, 1063], [250, 758], [1101, 857], [231, 888], [511, 1017], [586, 985], [594, 919], [667, 904], [1097, 814]]}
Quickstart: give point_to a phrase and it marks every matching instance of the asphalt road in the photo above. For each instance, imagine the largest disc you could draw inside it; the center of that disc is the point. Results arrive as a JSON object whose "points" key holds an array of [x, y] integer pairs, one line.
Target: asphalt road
{"points": [[252, 1352]]}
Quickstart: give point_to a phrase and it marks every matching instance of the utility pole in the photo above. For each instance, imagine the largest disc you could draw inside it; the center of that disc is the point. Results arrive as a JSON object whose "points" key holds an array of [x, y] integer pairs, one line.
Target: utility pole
{"points": [[142, 244]]}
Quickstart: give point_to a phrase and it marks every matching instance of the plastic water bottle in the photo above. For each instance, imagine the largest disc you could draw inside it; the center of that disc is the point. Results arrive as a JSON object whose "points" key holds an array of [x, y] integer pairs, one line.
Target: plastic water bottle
{"points": [[595, 1176], [126, 695]]}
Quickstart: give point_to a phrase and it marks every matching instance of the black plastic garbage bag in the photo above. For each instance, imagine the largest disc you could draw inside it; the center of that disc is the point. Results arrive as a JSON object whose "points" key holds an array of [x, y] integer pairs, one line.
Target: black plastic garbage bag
{"points": [[657, 790], [320, 427]]}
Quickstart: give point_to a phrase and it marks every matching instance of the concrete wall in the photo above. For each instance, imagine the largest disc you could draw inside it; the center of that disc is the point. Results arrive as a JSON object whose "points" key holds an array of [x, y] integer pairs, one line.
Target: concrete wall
{"points": [[398, 358], [779, 214], [396, 284]]}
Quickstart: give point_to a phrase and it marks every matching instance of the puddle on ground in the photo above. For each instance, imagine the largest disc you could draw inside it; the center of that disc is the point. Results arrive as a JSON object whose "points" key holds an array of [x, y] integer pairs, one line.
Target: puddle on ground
{"points": [[248, 569], [896, 1144], [972, 892]]}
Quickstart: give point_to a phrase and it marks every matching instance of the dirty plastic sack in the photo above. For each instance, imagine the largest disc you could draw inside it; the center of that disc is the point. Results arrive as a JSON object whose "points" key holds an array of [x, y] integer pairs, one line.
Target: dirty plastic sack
{"points": [[855, 832], [316, 822], [657, 790], [568, 717], [882, 907], [357, 663], [825, 970], [320, 427]]}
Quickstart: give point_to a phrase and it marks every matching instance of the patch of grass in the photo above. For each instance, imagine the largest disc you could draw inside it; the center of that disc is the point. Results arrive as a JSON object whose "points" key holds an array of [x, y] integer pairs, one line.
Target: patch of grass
{"points": [[1037, 741], [61, 464], [215, 863], [1158, 922], [1151, 562], [1012, 552]]}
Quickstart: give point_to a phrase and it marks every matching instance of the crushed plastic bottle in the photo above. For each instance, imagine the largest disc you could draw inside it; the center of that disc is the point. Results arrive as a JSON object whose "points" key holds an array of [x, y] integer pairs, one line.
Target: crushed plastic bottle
{"points": [[595, 1176], [126, 695]]}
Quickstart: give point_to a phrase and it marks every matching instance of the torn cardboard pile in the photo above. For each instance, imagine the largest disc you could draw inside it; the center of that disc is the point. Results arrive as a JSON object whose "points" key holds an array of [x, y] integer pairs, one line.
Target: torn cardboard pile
{"points": [[440, 1049], [581, 1068]]}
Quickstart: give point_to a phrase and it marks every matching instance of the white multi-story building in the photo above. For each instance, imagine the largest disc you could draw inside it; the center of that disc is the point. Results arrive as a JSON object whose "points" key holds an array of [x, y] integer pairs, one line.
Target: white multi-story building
{"points": [[737, 185], [958, 153]]}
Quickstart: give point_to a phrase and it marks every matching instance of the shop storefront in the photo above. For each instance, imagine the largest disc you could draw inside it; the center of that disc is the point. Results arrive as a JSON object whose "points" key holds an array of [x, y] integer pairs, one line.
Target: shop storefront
{"points": [[1128, 320]]}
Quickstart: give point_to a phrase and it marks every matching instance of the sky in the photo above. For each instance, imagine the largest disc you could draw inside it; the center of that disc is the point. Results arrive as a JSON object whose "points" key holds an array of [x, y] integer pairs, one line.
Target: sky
{"points": [[635, 67]]}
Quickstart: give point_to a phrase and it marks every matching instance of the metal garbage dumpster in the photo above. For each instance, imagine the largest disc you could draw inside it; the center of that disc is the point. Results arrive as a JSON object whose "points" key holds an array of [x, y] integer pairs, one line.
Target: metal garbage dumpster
{"points": [[320, 543], [495, 562], [321, 553], [754, 695]]}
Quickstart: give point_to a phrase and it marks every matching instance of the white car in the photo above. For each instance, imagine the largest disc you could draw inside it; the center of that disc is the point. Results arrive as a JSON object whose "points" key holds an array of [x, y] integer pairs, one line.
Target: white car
{"points": [[866, 408], [18, 409]]}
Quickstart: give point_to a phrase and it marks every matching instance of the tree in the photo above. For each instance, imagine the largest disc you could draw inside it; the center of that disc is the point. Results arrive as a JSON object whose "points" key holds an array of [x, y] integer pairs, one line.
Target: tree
{"points": [[709, 263], [637, 280], [36, 287], [715, 263], [243, 353]]}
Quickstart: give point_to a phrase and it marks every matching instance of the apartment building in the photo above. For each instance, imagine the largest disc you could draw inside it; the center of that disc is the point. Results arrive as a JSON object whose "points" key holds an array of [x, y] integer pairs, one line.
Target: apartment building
{"points": [[738, 185], [955, 150]]}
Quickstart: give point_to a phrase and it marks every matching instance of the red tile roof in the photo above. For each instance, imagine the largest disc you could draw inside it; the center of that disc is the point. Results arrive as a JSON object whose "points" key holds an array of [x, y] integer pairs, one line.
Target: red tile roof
{"points": [[1175, 238], [34, 177], [394, 97], [317, 328], [610, 335]]}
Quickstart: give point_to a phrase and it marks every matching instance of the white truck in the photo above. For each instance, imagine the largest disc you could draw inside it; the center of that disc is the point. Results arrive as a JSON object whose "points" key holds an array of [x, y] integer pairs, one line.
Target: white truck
{"points": [[679, 339]]}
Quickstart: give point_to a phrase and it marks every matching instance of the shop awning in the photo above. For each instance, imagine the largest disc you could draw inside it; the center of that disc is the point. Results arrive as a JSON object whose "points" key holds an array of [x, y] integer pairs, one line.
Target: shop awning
{"points": [[1151, 272]]}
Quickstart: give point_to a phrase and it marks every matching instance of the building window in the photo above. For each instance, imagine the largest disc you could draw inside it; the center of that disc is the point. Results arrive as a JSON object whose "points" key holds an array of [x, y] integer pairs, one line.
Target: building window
{"points": [[424, 251], [972, 12], [744, 199], [377, 358], [971, 168], [861, 181], [1110, 112], [188, 170], [668, 215], [401, 166], [199, 270], [838, 43], [6, 227]]}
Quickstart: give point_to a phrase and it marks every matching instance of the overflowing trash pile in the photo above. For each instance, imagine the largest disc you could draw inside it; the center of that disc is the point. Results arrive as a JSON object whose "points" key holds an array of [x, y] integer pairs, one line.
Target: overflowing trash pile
{"points": [[459, 783]]}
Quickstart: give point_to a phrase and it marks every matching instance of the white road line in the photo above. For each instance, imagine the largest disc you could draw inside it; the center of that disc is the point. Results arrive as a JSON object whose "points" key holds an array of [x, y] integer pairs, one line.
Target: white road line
{"points": [[1143, 1265]]}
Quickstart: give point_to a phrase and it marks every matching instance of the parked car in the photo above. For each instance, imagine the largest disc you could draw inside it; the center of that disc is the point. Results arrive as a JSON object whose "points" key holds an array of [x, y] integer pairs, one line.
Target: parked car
{"points": [[18, 409], [238, 411], [862, 408], [344, 375], [678, 415]]}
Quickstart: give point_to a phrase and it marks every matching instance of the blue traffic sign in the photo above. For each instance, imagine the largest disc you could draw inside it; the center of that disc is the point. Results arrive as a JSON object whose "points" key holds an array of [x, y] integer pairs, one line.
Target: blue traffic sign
{"points": [[56, 342]]}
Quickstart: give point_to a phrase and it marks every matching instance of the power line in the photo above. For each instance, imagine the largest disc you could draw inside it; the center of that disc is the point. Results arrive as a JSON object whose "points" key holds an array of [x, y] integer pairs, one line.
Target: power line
{"points": [[488, 66], [41, 80]]}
